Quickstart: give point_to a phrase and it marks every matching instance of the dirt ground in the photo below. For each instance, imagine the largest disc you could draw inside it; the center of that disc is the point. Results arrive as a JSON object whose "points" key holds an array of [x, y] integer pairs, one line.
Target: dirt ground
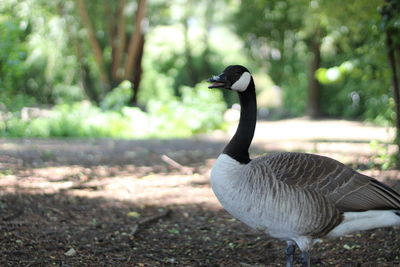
{"points": [[149, 203]]}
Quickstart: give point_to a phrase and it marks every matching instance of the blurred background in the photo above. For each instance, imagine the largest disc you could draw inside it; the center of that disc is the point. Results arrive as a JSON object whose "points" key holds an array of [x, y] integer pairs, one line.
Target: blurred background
{"points": [[108, 130], [136, 68]]}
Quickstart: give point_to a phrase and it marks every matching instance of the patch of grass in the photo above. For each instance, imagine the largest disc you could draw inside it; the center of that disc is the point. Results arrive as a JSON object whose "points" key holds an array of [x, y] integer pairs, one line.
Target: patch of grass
{"points": [[5, 172], [199, 110], [382, 158]]}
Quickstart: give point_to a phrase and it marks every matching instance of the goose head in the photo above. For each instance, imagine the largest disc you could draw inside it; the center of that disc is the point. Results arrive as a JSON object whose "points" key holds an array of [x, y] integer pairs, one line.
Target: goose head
{"points": [[234, 77]]}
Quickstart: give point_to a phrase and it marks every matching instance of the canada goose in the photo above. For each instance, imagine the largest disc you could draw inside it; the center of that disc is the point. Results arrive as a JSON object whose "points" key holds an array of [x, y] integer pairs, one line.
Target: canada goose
{"points": [[296, 197]]}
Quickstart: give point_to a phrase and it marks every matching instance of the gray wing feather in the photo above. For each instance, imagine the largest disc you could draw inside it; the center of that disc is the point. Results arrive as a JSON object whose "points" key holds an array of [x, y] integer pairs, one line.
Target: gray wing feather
{"points": [[346, 188]]}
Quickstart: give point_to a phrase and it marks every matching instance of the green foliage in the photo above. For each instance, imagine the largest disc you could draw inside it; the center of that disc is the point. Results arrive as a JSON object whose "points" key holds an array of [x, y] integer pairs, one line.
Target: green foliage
{"points": [[13, 52], [295, 94], [46, 59], [165, 67], [360, 90], [69, 120], [335, 74], [277, 40], [355, 77], [201, 110], [35, 60], [118, 97], [381, 158], [390, 13]]}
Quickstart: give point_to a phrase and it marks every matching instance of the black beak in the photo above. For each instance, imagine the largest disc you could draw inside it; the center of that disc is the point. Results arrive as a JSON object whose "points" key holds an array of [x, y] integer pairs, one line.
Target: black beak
{"points": [[219, 81]]}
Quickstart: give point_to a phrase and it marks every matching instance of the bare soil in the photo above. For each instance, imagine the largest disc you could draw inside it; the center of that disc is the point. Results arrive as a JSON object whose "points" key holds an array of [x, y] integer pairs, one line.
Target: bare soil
{"points": [[149, 203]]}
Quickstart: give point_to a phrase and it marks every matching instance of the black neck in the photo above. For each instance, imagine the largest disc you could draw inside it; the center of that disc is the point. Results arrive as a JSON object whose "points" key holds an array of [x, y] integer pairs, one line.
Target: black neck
{"points": [[238, 147]]}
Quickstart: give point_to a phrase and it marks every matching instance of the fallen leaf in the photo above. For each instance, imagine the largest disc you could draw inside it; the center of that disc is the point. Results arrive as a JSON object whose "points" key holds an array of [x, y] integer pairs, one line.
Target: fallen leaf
{"points": [[173, 231], [133, 214], [70, 252]]}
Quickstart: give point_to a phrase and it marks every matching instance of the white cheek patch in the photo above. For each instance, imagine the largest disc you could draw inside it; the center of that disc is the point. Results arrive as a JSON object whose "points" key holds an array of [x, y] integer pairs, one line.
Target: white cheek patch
{"points": [[241, 84]]}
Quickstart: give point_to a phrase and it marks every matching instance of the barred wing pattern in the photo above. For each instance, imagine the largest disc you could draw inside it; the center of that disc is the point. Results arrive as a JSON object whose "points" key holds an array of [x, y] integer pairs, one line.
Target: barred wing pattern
{"points": [[346, 188]]}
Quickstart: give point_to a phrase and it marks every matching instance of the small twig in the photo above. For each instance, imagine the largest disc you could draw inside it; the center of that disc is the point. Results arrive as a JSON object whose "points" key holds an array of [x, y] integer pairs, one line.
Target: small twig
{"points": [[176, 165], [57, 211], [150, 256], [147, 220], [64, 214], [164, 213], [82, 186], [129, 258]]}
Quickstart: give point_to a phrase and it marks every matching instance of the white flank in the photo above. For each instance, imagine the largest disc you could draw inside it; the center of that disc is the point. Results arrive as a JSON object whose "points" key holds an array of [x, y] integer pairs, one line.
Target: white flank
{"points": [[241, 84], [359, 221]]}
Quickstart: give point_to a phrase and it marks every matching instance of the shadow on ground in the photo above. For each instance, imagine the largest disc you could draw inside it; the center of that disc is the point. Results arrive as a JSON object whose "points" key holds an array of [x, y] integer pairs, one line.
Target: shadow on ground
{"points": [[144, 203], [36, 152], [64, 230]]}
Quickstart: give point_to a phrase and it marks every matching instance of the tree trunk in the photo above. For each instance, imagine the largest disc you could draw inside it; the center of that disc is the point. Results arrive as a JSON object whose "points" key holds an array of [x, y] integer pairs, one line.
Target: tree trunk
{"points": [[396, 88], [84, 70], [134, 43], [94, 43], [314, 86], [135, 51], [137, 76], [119, 44]]}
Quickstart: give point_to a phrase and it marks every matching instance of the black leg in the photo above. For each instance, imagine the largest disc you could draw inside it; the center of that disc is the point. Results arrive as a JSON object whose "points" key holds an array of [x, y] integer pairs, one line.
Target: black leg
{"points": [[305, 259], [289, 253]]}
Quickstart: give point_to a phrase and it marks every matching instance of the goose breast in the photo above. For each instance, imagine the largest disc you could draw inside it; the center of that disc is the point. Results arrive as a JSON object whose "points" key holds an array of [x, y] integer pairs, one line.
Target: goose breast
{"points": [[253, 194]]}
